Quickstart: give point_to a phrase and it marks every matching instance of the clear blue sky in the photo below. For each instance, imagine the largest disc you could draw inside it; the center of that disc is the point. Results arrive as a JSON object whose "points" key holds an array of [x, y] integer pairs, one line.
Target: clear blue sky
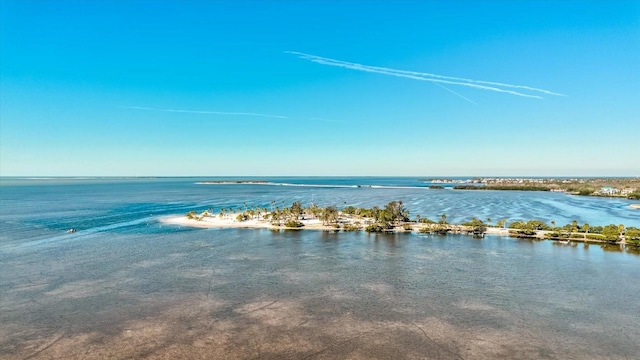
{"points": [[86, 85]]}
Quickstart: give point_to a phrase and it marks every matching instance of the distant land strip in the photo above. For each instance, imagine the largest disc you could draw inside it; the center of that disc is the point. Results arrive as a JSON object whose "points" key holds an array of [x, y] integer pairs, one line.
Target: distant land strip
{"points": [[607, 187], [224, 182], [628, 188]]}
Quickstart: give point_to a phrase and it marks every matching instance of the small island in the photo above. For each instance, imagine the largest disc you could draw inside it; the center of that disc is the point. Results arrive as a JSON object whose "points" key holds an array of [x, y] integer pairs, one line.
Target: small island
{"points": [[394, 218]]}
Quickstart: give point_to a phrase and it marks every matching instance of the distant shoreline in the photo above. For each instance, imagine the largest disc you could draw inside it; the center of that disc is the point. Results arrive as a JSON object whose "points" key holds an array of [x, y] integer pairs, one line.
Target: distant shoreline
{"points": [[622, 188], [628, 188]]}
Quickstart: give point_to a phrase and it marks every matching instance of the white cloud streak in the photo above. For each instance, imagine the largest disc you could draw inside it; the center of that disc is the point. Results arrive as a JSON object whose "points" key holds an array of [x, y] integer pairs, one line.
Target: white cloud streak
{"points": [[434, 78], [206, 112]]}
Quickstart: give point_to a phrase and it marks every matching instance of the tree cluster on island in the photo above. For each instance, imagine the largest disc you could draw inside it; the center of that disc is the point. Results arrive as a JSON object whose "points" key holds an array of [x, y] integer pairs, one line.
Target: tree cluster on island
{"points": [[394, 217], [574, 231]]}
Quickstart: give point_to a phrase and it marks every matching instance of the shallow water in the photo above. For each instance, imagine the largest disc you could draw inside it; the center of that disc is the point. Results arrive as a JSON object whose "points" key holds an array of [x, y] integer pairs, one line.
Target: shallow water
{"points": [[126, 286]]}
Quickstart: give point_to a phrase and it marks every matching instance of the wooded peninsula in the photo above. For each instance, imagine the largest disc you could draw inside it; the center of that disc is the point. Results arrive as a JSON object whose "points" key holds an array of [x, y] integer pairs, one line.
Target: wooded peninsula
{"points": [[394, 217]]}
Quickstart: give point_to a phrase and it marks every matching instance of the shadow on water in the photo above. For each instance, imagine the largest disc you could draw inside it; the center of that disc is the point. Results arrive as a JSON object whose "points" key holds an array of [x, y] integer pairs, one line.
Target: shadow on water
{"points": [[628, 249], [632, 249]]}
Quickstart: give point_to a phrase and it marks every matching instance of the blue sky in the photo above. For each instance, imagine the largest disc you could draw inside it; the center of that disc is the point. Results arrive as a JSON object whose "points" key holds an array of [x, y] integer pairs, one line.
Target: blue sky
{"points": [[85, 88]]}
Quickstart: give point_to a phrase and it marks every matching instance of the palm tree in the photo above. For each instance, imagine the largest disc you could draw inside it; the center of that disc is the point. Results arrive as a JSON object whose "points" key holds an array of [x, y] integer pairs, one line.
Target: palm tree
{"points": [[296, 209]]}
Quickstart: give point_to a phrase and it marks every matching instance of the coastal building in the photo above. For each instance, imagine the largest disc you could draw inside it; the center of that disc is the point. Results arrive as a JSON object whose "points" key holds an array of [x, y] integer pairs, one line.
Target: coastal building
{"points": [[608, 191]]}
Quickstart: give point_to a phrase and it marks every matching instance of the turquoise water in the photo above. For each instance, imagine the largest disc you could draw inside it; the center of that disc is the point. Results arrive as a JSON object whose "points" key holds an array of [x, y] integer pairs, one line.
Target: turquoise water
{"points": [[128, 286]]}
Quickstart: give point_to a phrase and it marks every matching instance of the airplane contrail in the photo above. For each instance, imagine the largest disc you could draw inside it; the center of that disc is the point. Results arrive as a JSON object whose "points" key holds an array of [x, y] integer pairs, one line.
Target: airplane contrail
{"points": [[366, 68], [456, 94], [421, 76], [205, 112]]}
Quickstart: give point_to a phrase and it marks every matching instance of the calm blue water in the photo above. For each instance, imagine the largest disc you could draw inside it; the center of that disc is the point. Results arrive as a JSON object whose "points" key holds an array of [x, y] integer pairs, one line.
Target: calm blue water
{"points": [[127, 286]]}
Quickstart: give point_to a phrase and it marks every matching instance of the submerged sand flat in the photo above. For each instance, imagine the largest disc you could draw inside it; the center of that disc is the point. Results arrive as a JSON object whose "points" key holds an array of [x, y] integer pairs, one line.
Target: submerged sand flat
{"points": [[255, 294]]}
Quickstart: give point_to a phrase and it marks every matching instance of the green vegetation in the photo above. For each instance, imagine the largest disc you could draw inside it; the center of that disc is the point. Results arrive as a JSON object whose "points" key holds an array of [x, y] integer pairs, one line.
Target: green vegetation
{"points": [[296, 209], [293, 224], [378, 228], [328, 215], [476, 227], [437, 229], [527, 229], [523, 233], [596, 229], [634, 195], [632, 235], [611, 232], [194, 216], [424, 230], [352, 227], [581, 191], [242, 217]]}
